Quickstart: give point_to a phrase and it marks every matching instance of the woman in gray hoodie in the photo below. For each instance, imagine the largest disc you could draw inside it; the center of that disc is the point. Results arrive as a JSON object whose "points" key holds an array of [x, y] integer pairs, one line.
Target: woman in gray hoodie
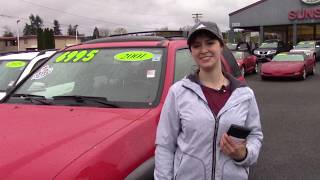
{"points": [[191, 141]]}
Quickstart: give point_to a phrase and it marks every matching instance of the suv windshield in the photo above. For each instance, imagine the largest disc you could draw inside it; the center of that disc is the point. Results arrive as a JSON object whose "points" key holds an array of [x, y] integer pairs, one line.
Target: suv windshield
{"points": [[129, 77], [10, 71], [269, 45]]}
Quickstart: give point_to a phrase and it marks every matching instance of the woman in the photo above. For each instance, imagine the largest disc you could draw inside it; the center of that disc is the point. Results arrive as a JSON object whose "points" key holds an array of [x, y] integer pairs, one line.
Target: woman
{"points": [[191, 142]]}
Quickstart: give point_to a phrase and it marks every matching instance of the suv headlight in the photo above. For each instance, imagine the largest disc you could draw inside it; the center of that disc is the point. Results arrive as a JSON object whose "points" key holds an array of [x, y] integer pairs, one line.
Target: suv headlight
{"points": [[272, 52], [256, 52]]}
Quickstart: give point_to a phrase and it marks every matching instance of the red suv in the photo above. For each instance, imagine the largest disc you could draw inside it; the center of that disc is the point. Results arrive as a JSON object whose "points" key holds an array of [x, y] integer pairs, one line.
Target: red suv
{"points": [[91, 110]]}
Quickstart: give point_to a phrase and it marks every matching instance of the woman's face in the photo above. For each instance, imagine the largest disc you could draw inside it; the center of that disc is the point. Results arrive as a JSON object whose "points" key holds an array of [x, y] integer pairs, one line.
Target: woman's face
{"points": [[206, 52]]}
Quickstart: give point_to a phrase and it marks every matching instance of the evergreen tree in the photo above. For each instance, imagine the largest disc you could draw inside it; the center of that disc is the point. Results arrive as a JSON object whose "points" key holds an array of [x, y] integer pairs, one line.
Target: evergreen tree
{"points": [[40, 39], [56, 28], [70, 30], [51, 39], [95, 33], [45, 39], [35, 23]]}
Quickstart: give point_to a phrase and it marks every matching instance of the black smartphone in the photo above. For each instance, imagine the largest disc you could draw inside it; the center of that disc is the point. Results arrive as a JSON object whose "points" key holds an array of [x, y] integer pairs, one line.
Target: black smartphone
{"points": [[238, 131]]}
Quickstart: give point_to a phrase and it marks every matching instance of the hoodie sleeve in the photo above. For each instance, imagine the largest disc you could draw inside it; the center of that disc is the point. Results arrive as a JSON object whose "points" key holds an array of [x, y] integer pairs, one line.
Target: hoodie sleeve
{"points": [[166, 138], [254, 140]]}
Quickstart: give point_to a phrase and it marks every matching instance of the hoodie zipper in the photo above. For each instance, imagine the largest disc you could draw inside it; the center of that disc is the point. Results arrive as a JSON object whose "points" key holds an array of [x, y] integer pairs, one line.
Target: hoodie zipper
{"points": [[216, 127]]}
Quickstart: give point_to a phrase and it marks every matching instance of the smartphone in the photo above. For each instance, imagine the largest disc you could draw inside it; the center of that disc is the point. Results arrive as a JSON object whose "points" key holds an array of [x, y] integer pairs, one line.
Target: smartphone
{"points": [[237, 131]]}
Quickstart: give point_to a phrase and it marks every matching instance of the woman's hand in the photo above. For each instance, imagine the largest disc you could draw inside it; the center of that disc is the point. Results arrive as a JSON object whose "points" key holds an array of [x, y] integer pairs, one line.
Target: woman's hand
{"points": [[236, 150]]}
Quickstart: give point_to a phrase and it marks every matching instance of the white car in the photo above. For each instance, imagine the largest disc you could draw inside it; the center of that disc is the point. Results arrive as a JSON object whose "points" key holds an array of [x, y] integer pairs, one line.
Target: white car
{"points": [[310, 48], [15, 67]]}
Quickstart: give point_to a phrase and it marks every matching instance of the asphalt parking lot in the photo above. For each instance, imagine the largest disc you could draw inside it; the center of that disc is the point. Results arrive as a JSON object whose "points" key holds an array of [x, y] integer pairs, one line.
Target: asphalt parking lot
{"points": [[291, 125]]}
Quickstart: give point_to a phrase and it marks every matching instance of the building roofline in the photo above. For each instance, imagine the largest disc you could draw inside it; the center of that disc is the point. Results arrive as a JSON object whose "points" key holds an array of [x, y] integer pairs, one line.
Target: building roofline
{"points": [[34, 36], [247, 7]]}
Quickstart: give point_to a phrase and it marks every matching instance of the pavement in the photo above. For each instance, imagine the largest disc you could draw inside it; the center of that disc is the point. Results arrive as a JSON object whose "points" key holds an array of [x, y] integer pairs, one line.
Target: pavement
{"points": [[290, 118]]}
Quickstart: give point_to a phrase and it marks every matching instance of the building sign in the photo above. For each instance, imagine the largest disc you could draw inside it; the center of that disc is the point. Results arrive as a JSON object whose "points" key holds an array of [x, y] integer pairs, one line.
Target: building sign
{"points": [[235, 25], [310, 13], [311, 2]]}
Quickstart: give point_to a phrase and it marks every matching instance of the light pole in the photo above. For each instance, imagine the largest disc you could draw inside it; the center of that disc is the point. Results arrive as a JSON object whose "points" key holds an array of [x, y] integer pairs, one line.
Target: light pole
{"points": [[18, 39], [76, 27]]}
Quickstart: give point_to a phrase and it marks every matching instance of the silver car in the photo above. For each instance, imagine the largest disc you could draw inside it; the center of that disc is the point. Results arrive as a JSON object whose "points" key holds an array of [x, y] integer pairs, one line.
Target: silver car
{"points": [[310, 48]]}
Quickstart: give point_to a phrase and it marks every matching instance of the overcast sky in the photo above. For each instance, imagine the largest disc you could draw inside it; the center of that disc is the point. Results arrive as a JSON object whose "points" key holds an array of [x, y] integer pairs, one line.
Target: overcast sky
{"points": [[133, 15]]}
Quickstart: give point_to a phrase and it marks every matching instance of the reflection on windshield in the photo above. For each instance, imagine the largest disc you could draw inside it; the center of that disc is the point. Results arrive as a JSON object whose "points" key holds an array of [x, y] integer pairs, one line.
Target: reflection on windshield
{"points": [[288, 57], [269, 45], [305, 45], [130, 75], [10, 71]]}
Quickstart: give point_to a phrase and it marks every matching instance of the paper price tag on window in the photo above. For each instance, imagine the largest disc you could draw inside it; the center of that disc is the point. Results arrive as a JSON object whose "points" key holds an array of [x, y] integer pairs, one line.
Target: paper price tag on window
{"points": [[151, 73]]}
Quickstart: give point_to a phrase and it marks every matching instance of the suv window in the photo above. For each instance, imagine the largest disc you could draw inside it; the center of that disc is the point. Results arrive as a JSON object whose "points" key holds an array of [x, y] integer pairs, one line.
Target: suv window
{"points": [[10, 70], [107, 73], [184, 64]]}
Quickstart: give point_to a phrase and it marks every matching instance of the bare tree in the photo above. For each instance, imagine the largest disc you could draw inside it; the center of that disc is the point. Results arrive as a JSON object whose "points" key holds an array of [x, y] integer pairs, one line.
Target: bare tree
{"points": [[104, 32], [163, 28], [7, 32], [185, 28], [120, 30]]}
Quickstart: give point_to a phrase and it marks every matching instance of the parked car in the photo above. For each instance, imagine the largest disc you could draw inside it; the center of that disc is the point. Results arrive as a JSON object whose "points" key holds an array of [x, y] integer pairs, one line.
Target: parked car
{"points": [[309, 48], [91, 110], [247, 62], [232, 46], [14, 67], [290, 64], [268, 49]]}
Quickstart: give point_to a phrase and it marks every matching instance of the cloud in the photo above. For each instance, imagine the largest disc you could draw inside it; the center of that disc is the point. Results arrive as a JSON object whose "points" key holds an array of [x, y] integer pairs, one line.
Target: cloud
{"points": [[134, 15]]}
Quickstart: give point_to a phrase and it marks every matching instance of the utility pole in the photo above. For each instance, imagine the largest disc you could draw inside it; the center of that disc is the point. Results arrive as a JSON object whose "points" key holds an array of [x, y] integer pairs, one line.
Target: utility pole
{"points": [[18, 39], [76, 28], [196, 17]]}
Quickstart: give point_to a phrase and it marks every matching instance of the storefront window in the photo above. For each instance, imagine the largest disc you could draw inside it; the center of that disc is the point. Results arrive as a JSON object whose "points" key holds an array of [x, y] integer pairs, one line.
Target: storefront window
{"points": [[305, 32]]}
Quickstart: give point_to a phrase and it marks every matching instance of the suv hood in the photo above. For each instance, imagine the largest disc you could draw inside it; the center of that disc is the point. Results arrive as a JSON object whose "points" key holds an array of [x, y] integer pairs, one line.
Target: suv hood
{"points": [[44, 139]]}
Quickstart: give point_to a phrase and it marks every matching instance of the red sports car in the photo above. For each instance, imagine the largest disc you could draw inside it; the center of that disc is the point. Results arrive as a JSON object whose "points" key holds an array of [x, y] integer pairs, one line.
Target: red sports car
{"points": [[91, 110], [290, 64], [247, 62]]}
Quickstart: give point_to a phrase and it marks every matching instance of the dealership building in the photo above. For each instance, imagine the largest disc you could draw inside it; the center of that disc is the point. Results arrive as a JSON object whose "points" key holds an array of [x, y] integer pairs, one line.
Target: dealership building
{"points": [[288, 20]]}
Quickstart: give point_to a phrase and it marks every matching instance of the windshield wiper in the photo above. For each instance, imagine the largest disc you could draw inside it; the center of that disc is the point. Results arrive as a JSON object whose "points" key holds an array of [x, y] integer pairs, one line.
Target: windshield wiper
{"points": [[32, 98], [81, 99]]}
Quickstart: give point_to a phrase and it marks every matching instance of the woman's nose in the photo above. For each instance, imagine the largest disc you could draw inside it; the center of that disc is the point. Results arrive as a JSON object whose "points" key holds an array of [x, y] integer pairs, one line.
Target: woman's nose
{"points": [[203, 48]]}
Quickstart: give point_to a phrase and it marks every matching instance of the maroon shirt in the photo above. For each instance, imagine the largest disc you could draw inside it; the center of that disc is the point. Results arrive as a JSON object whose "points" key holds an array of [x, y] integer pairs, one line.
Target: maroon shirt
{"points": [[216, 98]]}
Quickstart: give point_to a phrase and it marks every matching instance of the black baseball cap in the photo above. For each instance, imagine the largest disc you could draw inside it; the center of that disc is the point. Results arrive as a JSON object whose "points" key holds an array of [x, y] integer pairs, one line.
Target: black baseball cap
{"points": [[211, 27]]}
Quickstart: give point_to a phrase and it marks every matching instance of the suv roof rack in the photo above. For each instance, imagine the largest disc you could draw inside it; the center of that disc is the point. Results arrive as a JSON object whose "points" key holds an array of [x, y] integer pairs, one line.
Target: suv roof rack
{"points": [[165, 34], [125, 39], [142, 36]]}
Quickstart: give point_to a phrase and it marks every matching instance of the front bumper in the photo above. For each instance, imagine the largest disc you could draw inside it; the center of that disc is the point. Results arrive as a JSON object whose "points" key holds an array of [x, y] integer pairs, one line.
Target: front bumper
{"points": [[281, 75], [264, 57]]}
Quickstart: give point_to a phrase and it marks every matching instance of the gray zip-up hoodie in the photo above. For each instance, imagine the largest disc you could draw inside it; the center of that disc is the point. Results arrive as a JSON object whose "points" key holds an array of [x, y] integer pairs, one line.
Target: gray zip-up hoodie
{"points": [[188, 134]]}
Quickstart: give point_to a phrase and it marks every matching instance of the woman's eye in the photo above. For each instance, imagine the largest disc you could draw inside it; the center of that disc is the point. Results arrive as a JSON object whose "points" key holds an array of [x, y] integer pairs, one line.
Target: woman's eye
{"points": [[195, 46], [211, 42]]}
